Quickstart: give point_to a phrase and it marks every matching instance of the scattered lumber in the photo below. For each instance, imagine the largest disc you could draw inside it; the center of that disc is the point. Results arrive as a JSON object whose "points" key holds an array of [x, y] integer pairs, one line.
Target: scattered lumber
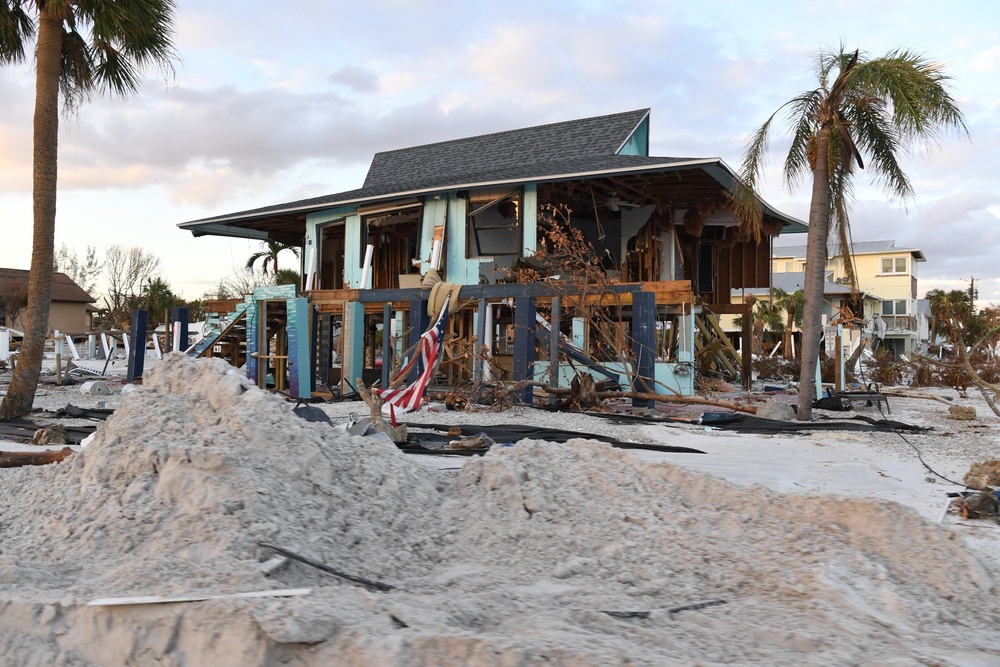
{"points": [[575, 394]]}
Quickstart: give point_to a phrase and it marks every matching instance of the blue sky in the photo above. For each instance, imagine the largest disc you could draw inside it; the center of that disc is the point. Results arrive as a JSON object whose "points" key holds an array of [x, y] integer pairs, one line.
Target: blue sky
{"points": [[269, 106]]}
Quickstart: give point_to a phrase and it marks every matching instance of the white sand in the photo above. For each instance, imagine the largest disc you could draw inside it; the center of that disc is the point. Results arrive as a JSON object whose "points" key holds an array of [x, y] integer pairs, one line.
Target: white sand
{"points": [[506, 559]]}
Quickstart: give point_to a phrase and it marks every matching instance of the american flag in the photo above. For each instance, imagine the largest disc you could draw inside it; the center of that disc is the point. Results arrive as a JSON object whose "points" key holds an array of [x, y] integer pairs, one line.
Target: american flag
{"points": [[408, 398]]}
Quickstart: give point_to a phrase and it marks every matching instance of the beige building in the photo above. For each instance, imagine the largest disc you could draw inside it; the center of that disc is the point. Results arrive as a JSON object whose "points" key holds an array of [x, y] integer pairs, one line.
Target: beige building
{"points": [[885, 272], [72, 309]]}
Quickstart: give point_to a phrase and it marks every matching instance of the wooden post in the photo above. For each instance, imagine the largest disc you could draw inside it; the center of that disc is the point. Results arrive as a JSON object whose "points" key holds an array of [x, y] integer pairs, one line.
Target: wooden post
{"points": [[419, 321], [838, 359], [386, 345], [179, 316], [644, 346], [746, 337], [137, 352], [477, 363], [59, 348], [554, 324], [325, 341], [524, 345]]}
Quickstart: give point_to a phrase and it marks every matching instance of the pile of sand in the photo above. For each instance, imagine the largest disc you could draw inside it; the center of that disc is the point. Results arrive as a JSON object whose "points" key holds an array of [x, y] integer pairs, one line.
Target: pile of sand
{"points": [[513, 560]]}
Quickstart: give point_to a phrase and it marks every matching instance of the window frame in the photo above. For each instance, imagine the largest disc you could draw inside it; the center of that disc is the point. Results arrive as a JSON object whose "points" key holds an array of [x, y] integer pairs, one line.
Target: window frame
{"points": [[482, 215], [895, 304], [895, 263]]}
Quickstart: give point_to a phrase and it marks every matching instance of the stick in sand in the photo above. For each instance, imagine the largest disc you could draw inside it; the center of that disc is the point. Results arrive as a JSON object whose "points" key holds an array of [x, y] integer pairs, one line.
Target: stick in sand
{"points": [[378, 585]]}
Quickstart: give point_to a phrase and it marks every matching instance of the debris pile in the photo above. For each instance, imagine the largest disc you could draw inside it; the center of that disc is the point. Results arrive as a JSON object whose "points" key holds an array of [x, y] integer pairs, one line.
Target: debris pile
{"points": [[570, 553]]}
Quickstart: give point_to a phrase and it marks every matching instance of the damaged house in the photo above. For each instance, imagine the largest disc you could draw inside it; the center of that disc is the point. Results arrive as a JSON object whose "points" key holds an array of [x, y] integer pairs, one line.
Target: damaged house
{"points": [[477, 210]]}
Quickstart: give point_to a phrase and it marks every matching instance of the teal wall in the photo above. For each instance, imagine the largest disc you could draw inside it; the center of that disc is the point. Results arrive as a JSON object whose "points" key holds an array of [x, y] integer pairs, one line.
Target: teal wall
{"points": [[638, 143], [315, 220]]}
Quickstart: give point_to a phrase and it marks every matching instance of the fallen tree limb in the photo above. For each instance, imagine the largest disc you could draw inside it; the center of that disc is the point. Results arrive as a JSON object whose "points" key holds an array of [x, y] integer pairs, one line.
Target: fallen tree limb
{"points": [[642, 396], [374, 402], [929, 397], [18, 459]]}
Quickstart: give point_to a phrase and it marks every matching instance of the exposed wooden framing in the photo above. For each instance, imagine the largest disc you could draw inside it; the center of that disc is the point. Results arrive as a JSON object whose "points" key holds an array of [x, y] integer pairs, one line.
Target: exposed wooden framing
{"points": [[710, 331], [668, 292]]}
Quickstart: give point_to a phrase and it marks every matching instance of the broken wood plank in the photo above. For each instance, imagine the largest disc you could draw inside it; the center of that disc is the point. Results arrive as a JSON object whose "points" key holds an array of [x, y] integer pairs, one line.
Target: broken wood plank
{"points": [[156, 599], [18, 459]]}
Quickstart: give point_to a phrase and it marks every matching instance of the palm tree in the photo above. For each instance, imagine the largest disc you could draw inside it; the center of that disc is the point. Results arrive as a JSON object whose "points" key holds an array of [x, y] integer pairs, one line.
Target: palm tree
{"points": [[269, 254], [158, 299], [878, 107], [80, 46], [792, 304]]}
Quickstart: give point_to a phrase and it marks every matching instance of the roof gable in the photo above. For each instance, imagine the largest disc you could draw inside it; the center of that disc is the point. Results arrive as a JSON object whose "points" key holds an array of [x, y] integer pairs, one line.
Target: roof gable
{"points": [[600, 136]]}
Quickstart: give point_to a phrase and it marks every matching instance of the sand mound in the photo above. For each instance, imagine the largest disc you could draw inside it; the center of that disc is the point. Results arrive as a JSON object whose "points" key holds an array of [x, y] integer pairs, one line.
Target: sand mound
{"points": [[194, 469], [513, 560]]}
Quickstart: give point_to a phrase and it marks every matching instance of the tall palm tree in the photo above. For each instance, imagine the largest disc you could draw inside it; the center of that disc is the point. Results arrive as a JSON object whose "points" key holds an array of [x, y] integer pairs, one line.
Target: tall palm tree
{"points": [[80, 46], [878, 107], [268, 255]]}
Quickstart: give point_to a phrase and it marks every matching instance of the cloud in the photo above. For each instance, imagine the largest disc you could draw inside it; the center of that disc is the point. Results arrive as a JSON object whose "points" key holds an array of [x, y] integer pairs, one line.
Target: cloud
{"points": [[357, 79], [986, 61]]}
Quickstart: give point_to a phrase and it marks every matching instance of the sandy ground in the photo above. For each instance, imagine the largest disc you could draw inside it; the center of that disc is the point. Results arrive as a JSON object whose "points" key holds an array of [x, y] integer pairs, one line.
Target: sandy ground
{"points": [[869, 556]]}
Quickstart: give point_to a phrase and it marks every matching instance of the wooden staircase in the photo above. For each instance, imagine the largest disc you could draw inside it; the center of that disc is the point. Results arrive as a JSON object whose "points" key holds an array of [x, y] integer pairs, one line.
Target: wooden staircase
{"points": [[218, 329], [714, 351]]}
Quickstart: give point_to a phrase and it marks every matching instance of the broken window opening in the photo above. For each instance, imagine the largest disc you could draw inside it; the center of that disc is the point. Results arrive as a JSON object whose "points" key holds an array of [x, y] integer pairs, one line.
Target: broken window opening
{"points": [[331, 255], [395, 238], [493, 223]]}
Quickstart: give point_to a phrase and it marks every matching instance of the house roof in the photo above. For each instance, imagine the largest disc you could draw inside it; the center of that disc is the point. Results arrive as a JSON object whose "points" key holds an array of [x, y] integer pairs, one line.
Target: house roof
{"points": [[63, 287], [585, 148], [511, 153], [793, 281], [859, 248]]}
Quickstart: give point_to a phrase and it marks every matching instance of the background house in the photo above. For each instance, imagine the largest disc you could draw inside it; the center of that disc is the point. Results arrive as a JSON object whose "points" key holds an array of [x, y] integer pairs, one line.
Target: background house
{"points": [[883, 271], [71, 310], [841, 305]]}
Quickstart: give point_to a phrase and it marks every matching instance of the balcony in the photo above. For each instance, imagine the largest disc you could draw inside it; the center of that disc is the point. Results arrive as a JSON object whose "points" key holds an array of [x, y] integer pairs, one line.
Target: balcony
{"points": [[897, 324]]}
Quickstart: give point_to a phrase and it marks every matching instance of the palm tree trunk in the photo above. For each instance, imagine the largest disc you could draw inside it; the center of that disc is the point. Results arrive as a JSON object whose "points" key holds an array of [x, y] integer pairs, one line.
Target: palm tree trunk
{"points": [[21, 393], [812, 308], [786, 339]]}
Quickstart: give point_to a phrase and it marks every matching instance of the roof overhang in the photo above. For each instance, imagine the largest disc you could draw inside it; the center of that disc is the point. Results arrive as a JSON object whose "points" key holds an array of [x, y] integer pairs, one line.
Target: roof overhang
{"points": [[281, 223]]}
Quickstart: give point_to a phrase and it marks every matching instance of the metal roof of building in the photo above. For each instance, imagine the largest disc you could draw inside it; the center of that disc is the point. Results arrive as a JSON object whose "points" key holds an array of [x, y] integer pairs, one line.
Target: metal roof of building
{"points": [[793, 281], [858, 248]]}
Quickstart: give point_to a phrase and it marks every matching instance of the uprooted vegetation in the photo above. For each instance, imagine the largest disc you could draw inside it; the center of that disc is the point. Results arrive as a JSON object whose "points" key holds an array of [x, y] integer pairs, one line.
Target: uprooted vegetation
{"points": [[969, 355]]}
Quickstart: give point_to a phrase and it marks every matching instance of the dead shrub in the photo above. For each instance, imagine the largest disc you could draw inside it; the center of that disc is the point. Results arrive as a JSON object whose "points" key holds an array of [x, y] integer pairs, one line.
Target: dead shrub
{"points": [[884, 369]]}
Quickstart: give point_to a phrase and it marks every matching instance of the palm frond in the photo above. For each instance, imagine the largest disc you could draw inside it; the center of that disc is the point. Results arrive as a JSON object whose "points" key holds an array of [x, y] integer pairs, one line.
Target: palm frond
{"points": [[17, 30], [802, 125], [916, 91], [877, 136], [126, 38], [745, 201]]}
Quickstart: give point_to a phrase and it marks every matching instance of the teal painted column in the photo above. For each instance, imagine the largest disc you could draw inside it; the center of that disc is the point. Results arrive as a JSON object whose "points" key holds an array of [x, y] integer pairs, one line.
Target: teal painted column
{"points": [[252, 315], [299, 360], [529, 224], [353, 337], [580, 332]]}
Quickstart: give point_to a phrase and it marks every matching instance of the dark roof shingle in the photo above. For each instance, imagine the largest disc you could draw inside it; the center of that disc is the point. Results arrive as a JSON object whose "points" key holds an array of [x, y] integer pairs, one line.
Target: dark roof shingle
{"points": [[63, 287], [502, 151]]}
